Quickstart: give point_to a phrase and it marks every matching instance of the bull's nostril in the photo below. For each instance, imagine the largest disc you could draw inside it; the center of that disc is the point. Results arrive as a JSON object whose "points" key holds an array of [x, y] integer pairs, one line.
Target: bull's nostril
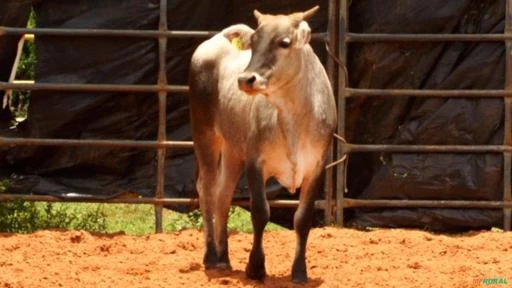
{"points": [[251, 80]]}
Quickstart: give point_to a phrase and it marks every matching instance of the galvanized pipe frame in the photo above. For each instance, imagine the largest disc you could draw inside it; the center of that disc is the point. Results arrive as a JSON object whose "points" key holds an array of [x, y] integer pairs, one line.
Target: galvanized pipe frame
{"points": [[505, 149]]}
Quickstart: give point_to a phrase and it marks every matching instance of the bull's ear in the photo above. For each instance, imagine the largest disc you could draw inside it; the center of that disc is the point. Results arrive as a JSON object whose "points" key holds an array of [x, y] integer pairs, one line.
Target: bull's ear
{"points": [[303, 34], [239, 36]]}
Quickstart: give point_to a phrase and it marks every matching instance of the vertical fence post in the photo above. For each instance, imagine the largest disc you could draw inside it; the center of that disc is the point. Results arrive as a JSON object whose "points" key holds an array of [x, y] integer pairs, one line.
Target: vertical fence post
{"points": [[162, 114], [342, 55], [507, 134], [332, 41]]}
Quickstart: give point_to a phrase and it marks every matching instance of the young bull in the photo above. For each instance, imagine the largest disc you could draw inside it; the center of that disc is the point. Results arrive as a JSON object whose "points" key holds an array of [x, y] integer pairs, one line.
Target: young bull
{"points": [[268, 109]]}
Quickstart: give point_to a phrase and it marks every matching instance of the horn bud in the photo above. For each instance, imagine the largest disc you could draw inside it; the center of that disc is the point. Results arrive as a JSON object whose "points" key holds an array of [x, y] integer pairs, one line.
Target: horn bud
{"points": [[304, 16]]}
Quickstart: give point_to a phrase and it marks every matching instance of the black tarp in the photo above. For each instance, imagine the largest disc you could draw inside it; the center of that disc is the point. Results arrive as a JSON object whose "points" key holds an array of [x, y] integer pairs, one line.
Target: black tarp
{"points": [[428, 121], [406, 120]]}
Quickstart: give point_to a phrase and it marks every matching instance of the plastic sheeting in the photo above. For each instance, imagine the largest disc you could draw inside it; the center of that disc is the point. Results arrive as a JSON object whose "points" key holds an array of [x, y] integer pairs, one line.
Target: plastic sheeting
{"points": [[430, 121], [407, 120]]}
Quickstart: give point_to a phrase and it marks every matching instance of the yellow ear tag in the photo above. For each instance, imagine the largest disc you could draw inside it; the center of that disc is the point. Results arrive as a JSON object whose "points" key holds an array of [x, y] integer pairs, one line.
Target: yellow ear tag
{"points": [[237, 43]]}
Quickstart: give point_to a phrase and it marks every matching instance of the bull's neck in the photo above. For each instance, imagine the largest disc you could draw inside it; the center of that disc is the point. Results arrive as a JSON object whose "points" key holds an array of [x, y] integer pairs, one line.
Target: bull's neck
{"points": [[291, 96], [293, 107]]}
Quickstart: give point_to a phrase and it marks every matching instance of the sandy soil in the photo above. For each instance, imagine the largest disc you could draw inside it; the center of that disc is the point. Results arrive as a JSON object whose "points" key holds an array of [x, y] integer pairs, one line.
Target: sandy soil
{"points": [[336, 258]]}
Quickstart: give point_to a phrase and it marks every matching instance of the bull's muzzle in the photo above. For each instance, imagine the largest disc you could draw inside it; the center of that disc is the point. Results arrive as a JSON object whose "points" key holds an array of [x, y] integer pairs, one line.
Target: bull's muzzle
{"points": [[252, 83]]}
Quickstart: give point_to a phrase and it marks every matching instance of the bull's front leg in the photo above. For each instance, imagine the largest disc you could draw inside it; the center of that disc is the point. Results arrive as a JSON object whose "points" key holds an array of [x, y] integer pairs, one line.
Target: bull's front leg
{"points": [[302, 223], [260, 214]]}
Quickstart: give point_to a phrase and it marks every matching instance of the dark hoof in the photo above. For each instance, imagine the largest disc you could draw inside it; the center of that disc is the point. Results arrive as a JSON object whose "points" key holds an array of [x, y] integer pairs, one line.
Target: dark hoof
{"points": [[209, 266], [300, 278], [299, 271], [255, 274], [223, 266], [210, 260], [255, 269]]}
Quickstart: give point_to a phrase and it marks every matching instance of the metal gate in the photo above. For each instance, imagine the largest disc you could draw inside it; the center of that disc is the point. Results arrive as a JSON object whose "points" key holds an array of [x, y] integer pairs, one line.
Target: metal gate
{"points": [[337, 38]]}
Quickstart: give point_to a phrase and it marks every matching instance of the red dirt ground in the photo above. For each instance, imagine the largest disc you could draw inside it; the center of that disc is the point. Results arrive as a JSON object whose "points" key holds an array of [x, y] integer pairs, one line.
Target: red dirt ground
{"points": [[336, 258]]}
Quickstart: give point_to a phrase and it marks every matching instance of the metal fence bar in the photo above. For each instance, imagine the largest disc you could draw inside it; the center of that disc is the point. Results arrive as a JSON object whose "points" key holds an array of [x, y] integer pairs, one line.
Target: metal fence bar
{"points": [[349, 148], [74, 32], [319, 204], [134, 88], [162, 115], [507, 135], [374, 37], [480, 93], [80, 32], [7, 141], [349, 37], [352, 203], [346, 147], [342, 78], [349, 92]]}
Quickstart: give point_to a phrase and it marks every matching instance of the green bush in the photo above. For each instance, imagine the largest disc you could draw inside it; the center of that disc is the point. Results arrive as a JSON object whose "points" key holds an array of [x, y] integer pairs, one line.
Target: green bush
{"points": [[27, 217], [18, 216]]}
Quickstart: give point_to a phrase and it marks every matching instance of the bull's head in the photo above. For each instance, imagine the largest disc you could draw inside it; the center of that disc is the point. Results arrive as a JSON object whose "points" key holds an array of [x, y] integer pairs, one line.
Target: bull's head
{"points": [[275, 47]]}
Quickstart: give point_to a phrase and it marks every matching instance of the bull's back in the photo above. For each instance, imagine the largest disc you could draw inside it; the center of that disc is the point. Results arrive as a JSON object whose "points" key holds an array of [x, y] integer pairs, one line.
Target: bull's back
{"points": [[203, 75]]}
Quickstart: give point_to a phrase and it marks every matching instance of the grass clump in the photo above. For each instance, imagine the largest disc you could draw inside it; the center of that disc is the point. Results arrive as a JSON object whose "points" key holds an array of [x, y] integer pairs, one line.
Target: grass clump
{"points": [[27, 217]]}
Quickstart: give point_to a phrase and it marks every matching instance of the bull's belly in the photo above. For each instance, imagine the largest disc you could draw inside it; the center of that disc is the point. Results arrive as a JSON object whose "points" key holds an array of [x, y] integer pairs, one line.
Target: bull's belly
{"points": [[290, 171]]}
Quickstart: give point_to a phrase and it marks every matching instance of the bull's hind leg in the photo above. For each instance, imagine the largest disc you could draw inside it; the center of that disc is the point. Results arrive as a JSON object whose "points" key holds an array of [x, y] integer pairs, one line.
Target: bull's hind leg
{"points": [[231, 167], [207, 144], [207, 150], [302, 224], [260, 214]]}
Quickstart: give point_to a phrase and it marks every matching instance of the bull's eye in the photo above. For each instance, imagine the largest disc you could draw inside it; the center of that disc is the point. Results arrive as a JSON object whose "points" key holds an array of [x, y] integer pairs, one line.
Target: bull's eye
{"points": [[285, 43]]}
